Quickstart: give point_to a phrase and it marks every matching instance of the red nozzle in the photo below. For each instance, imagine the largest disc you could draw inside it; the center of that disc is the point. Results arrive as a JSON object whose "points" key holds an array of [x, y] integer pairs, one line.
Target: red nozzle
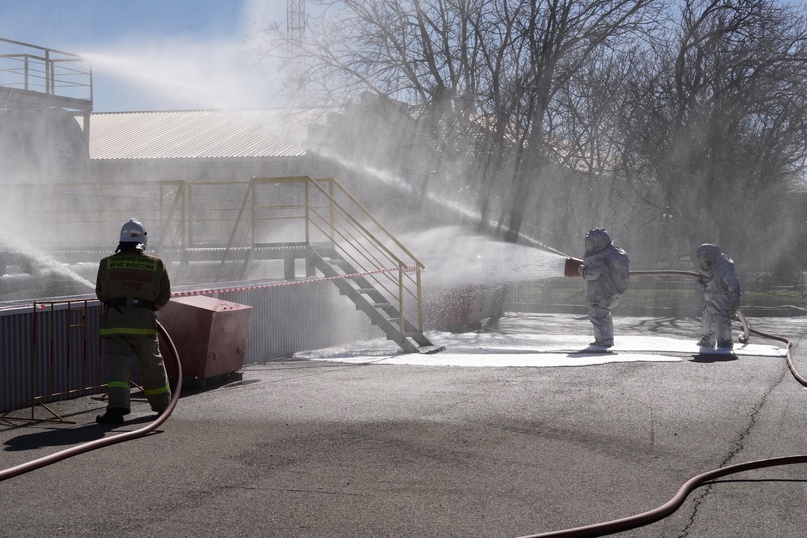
{"points": [[572, 267]]}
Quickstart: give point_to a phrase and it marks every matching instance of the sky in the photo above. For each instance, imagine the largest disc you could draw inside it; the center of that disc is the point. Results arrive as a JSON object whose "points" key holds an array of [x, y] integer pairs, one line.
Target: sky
{"points": [[160, 54], [156, 54]]}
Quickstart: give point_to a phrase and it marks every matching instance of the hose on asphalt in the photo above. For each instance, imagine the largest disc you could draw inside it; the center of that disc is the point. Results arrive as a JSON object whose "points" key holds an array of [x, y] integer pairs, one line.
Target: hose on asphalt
{"points": [[646, 518], [652, 516], [107, 441]]}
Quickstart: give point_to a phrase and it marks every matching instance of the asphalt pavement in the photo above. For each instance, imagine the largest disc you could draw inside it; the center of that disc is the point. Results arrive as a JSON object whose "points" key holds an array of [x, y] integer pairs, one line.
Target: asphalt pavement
{"points": [[311, 448]]}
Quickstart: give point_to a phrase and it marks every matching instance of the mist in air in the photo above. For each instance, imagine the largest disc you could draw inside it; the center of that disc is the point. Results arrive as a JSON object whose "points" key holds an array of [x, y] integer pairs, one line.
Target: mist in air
{"points": [[457, 257], [186, 75], [449, 207], [188, 71]]}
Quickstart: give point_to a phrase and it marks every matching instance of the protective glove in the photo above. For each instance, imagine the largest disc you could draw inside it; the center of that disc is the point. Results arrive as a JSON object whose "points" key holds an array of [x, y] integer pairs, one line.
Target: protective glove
{"points": [[701, 284]]}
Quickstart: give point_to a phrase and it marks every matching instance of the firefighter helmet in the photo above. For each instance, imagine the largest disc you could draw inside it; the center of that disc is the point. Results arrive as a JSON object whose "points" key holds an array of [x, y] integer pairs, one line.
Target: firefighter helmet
{"points": [[134, 232]]}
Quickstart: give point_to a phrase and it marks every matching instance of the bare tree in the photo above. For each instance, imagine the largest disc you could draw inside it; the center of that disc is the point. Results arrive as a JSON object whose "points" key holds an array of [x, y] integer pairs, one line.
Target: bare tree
{"points": [[562, 35], [715, 118], [426, 54], [483, 72], [695, 114], [585, 141]]}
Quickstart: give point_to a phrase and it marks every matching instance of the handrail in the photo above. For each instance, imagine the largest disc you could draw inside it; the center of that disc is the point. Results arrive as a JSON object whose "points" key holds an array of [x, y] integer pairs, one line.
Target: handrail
{"points": [[39, 47], [375, 221], [334, 219], [332, 200], [378, 264], [37, 71], [357, 225], [237, 219]]}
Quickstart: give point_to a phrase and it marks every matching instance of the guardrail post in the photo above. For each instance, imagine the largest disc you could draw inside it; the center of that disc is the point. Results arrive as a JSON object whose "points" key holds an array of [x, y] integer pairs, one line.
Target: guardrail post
{"points": [[419, 298], [401, 269]]}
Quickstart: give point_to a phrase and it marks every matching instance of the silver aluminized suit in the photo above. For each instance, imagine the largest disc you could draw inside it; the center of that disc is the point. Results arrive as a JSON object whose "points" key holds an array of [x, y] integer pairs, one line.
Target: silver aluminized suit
{"points": [[601, 260], [721, 296]]}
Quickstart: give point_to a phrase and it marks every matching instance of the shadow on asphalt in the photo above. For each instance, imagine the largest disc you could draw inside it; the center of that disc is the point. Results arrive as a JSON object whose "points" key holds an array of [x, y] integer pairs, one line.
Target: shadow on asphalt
{"points": [[55, 437], [713, 357]]}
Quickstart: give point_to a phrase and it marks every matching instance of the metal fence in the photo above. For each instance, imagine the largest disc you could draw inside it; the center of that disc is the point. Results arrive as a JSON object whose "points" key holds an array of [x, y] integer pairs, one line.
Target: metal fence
{"points": [[52, 350]]}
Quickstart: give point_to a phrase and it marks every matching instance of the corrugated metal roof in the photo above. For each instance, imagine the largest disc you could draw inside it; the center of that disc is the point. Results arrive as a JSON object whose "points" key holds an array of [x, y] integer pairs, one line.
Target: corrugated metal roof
{"points": [[199, 134]]}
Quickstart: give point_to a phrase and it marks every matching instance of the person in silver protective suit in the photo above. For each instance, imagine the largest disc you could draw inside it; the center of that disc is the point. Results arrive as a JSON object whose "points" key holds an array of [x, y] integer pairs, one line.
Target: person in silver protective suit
{"points": [[721, 296], [605, 269]]}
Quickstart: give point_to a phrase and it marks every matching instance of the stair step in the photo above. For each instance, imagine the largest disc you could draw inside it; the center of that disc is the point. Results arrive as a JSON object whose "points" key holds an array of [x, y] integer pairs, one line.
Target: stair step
{"points": [[428, 350], [374, 303]]}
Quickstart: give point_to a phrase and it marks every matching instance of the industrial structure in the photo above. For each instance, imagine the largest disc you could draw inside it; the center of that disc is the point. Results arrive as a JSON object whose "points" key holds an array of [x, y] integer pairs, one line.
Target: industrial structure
{"points": [[228, 207]]}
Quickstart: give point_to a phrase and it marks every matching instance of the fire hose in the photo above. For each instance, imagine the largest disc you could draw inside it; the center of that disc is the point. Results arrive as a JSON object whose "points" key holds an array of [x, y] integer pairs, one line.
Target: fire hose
{"points": [[573, 264], [666, 509], [107, 441], [600, 529], [746, 334]]}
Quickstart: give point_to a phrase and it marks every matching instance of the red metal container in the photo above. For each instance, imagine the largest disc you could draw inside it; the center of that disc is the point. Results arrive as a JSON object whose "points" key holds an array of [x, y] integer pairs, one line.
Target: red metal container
{"points": [[210, 335]]}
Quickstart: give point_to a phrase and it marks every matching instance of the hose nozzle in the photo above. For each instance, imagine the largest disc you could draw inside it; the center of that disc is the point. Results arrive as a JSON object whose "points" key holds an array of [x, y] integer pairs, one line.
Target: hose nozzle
{"points": [[572, 267]]}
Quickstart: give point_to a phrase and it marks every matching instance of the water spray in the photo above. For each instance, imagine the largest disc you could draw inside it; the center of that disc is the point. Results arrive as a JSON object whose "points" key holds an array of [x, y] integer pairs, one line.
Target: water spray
{"points": [[45, 265]]}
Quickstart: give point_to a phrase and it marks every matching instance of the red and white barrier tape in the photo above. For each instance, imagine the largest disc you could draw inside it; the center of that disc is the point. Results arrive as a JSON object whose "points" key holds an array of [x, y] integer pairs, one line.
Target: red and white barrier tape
{"points": [[290, 283], [211, 291]]}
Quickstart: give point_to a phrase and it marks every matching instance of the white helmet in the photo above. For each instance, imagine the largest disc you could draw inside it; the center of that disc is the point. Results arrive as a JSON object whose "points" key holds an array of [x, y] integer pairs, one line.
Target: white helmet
{"points": [[134, 232]]}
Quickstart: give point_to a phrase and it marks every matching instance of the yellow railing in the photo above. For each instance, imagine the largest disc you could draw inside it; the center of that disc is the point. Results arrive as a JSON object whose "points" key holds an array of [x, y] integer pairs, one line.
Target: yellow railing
{"points": [[226, 218], [297, 210], [333, 215]]}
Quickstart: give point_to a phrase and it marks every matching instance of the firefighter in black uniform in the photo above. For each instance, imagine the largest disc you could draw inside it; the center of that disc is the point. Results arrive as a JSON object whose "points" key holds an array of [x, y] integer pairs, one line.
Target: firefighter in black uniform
{"points": [[132, 286]]}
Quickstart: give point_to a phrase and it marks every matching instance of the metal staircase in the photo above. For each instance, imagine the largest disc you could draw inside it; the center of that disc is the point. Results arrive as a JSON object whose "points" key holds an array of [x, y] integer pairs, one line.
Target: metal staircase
{"points": [[366, 296], [319, 221], [218, 231]]}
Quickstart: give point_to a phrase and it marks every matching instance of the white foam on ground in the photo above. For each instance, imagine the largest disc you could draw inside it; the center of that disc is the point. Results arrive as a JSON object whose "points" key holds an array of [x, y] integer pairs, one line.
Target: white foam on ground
{"points": [[527, 350]]}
